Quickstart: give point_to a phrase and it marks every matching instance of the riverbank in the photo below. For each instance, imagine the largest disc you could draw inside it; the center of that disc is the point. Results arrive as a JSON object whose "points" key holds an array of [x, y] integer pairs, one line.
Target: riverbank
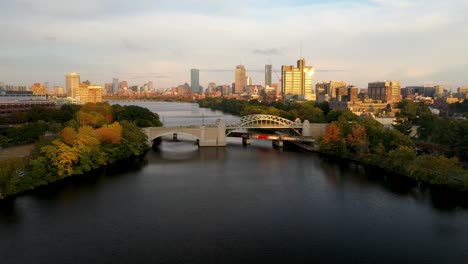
{"points": [[363, 140], [98, 135]]}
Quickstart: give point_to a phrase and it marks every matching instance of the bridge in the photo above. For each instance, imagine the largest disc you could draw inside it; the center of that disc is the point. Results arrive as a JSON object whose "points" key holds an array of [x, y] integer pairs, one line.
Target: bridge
{"points": [[215, 135]]}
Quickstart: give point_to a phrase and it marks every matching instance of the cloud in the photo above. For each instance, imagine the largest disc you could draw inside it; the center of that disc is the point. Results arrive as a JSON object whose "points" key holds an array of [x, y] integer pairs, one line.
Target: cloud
{"points": [[133, 46], [272, 51]]}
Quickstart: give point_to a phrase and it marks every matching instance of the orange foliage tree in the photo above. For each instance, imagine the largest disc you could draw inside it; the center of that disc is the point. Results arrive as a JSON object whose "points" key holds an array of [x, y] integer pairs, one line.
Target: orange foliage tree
{"points": [[110, 133]]}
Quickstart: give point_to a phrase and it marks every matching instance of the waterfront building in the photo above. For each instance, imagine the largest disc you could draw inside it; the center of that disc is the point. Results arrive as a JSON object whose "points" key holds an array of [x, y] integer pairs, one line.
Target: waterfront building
{"points": [[386, 91], [297, 81], [239, 79], [72, 83], [268, 70], [195, 80]]}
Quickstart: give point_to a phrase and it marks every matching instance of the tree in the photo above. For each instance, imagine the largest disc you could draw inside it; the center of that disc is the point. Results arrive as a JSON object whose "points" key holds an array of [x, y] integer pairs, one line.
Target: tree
{"points": [[68, 135], [357, 140]]}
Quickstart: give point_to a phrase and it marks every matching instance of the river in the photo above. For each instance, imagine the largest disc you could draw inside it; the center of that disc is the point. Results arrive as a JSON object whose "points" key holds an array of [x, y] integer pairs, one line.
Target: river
{"points": [[235, 204]]}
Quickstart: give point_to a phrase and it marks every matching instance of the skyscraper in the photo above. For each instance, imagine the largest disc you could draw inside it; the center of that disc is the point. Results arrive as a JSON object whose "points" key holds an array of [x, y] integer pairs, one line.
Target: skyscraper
{"points": [[240, 79], [72, 83], [248, 80], [195, 80], [115, 85], [268, 75], [298, 81]]}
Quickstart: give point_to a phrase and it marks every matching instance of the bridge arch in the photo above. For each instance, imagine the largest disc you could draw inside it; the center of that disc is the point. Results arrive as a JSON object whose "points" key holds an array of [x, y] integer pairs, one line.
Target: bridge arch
{"points": [[171, 133], [264, 121]]}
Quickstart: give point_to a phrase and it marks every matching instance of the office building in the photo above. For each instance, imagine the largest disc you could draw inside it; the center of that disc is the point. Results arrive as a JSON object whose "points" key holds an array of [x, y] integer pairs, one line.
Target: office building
{"points": [[72, 83], [195, 80], [268, 75], [115, 85], [386, 91], [240, 79], [37, 88], [248, 80], [88, 93], [297, 81], [325, 91]]}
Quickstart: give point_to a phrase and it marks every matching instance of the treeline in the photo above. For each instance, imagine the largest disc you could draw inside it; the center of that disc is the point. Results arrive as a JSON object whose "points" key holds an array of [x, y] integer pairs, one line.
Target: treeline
{"points": [[314, 112], [366, 140], [435, 134], [97, 135]]}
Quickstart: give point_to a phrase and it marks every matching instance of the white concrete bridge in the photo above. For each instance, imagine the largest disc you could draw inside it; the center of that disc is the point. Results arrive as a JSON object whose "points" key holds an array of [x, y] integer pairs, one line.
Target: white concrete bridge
{"points": [[215, 135]]}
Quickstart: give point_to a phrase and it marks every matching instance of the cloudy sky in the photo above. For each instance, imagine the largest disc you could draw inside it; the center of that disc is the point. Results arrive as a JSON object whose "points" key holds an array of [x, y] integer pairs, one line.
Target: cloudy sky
{"points": [[358, 41]]}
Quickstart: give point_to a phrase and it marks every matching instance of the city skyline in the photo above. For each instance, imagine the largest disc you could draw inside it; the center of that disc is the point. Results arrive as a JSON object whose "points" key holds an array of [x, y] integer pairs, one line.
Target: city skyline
{"points": [[415, 42]]}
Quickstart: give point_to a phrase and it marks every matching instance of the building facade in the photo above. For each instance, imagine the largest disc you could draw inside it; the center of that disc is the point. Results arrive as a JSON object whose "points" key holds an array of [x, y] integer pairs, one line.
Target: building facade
{"points": [[268, 70], [386, 91], [240, 79], [297, 81], [325, 91], [195, 80], [72, 83]]}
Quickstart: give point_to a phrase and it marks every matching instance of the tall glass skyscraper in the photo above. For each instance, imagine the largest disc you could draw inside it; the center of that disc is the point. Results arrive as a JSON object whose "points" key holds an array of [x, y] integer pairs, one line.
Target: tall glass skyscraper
{"points": [[268, 75], [195, 81]]}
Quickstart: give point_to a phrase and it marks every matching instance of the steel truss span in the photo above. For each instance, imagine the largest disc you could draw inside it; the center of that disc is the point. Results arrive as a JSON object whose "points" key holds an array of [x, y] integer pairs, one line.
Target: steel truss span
{"points": [[264, 121]]}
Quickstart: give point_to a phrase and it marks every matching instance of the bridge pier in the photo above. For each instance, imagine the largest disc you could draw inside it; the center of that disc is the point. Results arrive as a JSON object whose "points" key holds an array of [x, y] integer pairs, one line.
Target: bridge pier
{"points": [[245, 140], [278, 143]]}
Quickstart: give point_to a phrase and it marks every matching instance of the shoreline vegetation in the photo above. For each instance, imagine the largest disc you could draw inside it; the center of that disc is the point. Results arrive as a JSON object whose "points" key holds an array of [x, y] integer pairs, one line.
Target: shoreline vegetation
{"points": [[80, 139], [434, 157], [96, 135]]}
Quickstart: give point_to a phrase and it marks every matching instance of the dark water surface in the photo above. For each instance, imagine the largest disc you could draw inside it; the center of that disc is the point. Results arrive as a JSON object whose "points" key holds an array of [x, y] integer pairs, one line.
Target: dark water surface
{"points": [[234, 205]]}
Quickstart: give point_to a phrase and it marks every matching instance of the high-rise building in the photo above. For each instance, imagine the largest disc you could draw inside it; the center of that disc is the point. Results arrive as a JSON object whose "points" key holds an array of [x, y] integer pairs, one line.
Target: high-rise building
{"points": [[123, 85], [248, 80], [298, 80], [115, 85], [387, 91], [58, 90], [88, 93], [325, 91], [151, 86], [211, 87], [195, 80], [72, 83], [268, 75], [240, 79]]}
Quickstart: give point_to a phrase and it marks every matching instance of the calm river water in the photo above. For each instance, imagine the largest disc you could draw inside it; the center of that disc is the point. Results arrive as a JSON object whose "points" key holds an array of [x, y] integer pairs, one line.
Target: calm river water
{"points": [[233, 205]]}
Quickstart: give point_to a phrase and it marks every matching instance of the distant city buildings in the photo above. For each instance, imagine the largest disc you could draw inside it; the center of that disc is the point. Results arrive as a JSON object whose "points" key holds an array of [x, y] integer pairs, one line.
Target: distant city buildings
{"points": [[386, 91], [240, 79], [38, 89], [195, 81], [297, 81], [325, 91]]}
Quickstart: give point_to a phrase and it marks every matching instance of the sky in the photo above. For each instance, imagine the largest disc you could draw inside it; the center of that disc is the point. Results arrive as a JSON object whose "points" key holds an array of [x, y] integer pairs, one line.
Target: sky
{"points": [[418, 42]]}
